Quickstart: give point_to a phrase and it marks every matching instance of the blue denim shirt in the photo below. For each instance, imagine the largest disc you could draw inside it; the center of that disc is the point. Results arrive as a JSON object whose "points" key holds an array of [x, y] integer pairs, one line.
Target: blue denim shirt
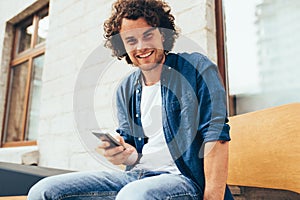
{"points": [[193, 110]]}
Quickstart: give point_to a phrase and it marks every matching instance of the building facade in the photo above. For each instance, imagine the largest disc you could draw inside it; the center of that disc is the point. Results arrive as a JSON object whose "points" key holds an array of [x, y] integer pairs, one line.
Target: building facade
{"points": [[63, 43], [262, 53], [277, 27]]}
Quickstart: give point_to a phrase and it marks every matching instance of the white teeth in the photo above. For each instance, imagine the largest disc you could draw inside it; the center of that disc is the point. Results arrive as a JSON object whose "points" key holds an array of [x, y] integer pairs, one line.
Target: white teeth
{"points": [[145, 55]]}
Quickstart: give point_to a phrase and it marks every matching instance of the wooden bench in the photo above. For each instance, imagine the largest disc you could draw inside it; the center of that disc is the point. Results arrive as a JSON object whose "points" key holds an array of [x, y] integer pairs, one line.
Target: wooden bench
{"points": [[14, 198], [265, 149]]}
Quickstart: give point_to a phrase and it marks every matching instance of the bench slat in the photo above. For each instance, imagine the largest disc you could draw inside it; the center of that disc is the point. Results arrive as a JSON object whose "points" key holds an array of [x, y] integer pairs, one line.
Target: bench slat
{"points": [[265, 148]]}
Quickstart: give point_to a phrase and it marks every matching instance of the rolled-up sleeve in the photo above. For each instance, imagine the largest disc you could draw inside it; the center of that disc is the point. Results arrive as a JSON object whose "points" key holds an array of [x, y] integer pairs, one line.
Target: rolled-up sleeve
{"points": [[212, 104]]}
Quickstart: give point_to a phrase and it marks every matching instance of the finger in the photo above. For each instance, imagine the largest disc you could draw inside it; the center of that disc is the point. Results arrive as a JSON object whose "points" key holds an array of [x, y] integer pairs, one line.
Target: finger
{"points": [[100, 150], [129, 150], [109, 152], [104, 145], [119, 158], [121, 140]]}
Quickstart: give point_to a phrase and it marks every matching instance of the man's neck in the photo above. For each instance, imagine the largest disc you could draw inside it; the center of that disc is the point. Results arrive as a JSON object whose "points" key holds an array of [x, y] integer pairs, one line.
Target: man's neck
{"points": [[152, 76]]}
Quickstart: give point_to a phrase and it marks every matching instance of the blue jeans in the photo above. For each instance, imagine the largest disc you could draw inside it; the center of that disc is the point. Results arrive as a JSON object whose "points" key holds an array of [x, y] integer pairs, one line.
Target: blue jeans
{"points": [[130, 185]]}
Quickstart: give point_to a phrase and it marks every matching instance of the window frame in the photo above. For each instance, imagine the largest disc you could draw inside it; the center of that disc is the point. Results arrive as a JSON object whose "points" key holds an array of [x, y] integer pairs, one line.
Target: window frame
{"points": [[222, 53], [28, 55]]}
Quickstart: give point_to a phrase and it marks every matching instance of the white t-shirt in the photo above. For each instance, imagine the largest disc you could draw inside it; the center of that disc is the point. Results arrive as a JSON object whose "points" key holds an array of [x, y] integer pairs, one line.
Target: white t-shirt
{"points": [[156, 155]]}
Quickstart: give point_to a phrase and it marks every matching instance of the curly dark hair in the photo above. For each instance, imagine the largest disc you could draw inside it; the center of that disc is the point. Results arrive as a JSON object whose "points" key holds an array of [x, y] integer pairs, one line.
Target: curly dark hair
{"points": [[155, 12]]}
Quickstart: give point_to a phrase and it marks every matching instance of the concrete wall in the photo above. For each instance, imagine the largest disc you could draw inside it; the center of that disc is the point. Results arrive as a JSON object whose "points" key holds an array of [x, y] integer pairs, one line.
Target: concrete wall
{"points": [[75, 35]]}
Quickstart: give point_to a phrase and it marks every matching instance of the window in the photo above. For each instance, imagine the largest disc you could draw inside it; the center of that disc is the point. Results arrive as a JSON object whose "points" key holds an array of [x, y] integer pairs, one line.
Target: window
{"points": [[262, 51], [24, 85]]}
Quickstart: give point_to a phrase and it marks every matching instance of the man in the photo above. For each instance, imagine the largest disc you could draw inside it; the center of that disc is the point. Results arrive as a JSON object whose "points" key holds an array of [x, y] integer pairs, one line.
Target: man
{"points": [[168, 110]]}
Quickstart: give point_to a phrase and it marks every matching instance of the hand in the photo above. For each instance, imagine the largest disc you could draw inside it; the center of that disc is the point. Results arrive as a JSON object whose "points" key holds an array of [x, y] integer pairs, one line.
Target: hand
{"points": [[117, 155]]}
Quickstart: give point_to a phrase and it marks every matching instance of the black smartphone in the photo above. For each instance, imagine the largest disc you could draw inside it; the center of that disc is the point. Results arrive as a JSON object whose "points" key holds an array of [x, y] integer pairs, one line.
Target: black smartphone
{"points": [[108, 138]]}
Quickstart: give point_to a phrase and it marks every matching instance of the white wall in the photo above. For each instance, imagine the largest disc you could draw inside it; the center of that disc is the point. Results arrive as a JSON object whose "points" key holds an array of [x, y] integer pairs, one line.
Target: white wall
{"points": [[75, 32]]}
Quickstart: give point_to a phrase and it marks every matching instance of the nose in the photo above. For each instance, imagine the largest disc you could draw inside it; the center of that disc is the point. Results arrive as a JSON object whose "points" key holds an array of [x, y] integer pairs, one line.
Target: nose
{"points": [[140, 45]]}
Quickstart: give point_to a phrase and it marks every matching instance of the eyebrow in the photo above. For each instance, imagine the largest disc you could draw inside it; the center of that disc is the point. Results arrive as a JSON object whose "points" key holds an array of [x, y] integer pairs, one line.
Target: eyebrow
{"points": [[149, 30], [146, 32]]}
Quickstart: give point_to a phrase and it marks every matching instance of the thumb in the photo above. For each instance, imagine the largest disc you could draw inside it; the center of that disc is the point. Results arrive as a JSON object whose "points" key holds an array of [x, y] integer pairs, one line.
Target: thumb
{"points": [[128, 148], [121, 140]]}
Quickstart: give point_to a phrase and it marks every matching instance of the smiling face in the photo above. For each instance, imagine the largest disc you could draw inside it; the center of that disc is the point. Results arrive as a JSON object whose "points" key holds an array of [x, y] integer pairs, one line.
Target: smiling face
{"points": [[143, 43]]}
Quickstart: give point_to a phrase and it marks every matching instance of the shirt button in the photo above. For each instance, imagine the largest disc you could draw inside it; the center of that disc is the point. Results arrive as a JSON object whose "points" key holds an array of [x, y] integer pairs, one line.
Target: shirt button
{"points": [[169, 67], [137, 115], [139, 139], [137, 91]]}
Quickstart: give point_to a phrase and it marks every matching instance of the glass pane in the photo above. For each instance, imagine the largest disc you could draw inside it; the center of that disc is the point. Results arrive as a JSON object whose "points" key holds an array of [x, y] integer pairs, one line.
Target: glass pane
{"points": [[26, 30], [263, 53], [35, 98], [43, 28], [16, 103]]}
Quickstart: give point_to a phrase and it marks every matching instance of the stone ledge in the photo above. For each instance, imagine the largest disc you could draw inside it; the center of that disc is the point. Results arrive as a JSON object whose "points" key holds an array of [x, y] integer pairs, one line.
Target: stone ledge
{"points": [[16, 179]]}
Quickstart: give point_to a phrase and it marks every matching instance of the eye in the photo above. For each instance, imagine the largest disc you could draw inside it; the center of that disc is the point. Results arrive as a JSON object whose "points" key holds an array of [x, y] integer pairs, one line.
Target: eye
{"points": [[148, 36], [131, 41]]}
